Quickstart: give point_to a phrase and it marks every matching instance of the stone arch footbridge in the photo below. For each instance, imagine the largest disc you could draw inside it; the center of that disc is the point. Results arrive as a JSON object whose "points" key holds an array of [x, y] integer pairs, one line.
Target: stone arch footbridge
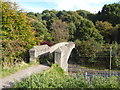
{"points": [[61, 50]]}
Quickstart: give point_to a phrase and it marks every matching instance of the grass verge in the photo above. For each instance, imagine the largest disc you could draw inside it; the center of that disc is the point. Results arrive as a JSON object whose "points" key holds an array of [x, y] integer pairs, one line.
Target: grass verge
{"points": [[8, 71]]}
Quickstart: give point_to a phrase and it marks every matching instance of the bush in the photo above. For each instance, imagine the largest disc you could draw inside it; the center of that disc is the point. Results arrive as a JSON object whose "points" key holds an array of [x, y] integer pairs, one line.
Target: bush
{"points": [[92, 53], [87, 50], [103, 56], [110, 82], [55, 77]]}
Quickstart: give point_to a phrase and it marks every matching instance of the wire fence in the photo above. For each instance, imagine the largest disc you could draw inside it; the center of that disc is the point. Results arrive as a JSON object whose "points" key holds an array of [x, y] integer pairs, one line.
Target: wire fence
{"points": [[106, 56], [90, 76], [104, 74]]}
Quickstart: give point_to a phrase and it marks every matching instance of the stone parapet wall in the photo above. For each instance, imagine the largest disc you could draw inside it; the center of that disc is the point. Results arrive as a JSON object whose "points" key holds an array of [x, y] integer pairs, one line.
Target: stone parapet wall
{"points": [[62, 52]]}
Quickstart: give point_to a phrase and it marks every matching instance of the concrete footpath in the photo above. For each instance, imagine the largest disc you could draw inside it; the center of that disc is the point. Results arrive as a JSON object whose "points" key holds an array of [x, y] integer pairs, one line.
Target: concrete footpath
{"points": [[8, 81]]}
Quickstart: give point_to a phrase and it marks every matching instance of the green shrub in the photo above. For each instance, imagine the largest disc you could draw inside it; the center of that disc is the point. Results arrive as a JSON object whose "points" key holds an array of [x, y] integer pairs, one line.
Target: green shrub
{"points": [[55, 77], [110, 82], [87, 50], [95, 54]]}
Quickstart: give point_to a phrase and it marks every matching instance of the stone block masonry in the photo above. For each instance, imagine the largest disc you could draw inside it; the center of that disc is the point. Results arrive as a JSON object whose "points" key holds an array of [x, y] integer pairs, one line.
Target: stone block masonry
{"points": [[62, 52], [37, 51]]}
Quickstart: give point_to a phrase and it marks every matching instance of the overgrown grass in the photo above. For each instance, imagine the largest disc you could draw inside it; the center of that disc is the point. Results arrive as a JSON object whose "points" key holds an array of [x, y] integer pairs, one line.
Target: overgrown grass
{"points": [[55, 77], [11, 70]]}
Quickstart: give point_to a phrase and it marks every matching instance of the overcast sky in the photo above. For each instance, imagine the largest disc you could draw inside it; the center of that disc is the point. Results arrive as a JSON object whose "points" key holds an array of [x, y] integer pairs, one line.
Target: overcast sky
{"points": [[39, 5]]}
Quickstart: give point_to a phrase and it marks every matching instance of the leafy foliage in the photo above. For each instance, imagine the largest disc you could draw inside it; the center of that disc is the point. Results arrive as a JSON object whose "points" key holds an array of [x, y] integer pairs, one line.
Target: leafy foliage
{"points": [[110, 13], [41, 32], [21, 31], [100, 82], [116, 34], [116, 56], [87, 51], [59, 31], [56, 78], [86, 30], [17, 34], [106, 29]]}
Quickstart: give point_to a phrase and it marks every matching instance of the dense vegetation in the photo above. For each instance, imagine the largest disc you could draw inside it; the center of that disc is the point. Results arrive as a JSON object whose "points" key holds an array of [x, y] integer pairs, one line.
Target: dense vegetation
{"points": [[92, 33], [55, 77]]}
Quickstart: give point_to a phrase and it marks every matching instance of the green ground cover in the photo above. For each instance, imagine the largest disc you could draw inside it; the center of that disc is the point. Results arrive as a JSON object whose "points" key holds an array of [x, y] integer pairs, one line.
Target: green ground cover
{"points": [[11, 70], [55, 77]]}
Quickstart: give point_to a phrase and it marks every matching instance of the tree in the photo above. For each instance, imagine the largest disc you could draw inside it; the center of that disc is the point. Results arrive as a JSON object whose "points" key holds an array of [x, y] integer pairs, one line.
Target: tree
{"points": [[116, 56], [41, 32], [47, 15], [86, 30], [116, 34], [106, 29], [83, 29], [110, 13], [15, 23], [17, 34], [59, 31], [72, 29], [87, 50]]}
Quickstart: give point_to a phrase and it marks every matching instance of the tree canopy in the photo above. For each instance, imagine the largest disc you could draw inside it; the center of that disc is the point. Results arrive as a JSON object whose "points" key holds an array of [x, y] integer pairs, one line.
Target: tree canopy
{"points": [[22, 30], [110, 13]]}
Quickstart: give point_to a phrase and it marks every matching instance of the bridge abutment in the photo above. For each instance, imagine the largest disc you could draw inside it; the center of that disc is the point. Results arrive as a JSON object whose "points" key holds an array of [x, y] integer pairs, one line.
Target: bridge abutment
{"points": [[61, 50]]}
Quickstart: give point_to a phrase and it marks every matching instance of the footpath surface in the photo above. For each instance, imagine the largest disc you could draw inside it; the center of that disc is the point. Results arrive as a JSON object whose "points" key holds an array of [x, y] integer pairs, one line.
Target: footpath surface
{"points": [[9, 81]]}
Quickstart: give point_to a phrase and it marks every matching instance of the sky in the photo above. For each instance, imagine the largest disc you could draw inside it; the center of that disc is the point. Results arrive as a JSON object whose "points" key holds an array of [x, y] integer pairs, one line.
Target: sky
{"points": [[92, 6]]}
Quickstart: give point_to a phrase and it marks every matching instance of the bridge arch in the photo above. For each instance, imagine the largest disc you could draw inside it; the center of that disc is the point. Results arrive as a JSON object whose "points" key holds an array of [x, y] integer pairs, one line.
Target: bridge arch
{"points": [[62, 52]]}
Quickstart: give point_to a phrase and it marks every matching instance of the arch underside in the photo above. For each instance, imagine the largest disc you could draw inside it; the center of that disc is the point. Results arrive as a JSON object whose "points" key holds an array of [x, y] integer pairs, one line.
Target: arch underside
{"points": [[62, 52]]}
